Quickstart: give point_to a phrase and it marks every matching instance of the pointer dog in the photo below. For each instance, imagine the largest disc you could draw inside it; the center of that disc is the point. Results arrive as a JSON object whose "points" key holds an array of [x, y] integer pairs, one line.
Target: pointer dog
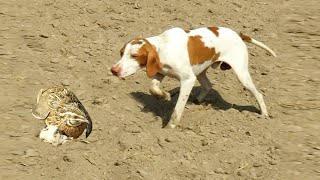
{"points": [[186, 55]]}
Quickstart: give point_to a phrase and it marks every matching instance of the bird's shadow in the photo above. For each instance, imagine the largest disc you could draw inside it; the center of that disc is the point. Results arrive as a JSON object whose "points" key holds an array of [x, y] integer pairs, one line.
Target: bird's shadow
{"points": [[164, 109]]}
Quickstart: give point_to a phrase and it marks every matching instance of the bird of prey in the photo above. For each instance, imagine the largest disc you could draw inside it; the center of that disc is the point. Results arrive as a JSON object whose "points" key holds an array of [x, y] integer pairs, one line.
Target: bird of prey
{"points": [[59, 107]]}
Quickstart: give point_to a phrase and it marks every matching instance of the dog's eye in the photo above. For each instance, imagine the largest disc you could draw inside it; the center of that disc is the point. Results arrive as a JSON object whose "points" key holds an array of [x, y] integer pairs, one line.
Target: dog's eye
{"points": [[134, 55]]}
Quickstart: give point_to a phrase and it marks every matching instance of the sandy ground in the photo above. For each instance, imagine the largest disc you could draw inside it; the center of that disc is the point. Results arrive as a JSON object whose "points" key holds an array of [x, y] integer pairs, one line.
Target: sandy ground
{"points": [[75, 42]]}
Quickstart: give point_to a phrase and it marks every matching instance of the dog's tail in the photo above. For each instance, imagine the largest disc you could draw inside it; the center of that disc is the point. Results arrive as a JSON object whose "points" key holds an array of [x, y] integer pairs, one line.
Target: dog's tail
{"points": [[260, 44]]}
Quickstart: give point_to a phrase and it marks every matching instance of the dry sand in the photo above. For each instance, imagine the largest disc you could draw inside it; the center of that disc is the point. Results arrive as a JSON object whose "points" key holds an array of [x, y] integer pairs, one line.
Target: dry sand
{"points": [[75, 42]]}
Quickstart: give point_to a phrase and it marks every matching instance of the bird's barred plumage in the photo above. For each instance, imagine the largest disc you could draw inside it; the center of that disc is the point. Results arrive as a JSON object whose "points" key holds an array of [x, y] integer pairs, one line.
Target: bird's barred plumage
{"points": [[60, 107]]}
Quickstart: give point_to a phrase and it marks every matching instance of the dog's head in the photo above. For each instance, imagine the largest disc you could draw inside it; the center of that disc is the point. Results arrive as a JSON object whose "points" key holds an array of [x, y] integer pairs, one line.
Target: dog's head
{"points": [[136, 54]]}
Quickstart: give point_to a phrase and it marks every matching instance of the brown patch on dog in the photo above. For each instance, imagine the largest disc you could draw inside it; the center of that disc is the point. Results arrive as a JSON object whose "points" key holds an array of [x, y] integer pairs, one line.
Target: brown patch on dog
{"points": [[133, 42], [214, 30], [245, 38], [186, 30], [216, 56], [198, 53], [149, 57], [142, 55]]}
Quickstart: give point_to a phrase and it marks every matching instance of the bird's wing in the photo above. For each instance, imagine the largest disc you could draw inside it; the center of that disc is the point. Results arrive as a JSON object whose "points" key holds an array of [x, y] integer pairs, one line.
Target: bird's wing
{"points": [[39, 115], [41, 109]]}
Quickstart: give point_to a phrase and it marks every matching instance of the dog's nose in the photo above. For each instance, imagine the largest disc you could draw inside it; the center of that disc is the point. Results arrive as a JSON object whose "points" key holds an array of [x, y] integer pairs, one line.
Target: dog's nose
{"points": [[115, 70]]}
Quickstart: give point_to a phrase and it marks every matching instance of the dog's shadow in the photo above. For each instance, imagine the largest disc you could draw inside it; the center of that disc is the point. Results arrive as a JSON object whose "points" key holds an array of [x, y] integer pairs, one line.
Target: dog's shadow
{"points": [[164, 109]]}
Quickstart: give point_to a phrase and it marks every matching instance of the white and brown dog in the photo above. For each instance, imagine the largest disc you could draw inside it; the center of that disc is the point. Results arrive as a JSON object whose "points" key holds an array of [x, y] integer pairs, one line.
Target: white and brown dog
{"points": [[186, 55]]}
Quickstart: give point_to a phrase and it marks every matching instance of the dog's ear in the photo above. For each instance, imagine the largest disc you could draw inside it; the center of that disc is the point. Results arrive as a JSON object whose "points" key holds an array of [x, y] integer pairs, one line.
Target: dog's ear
{"points": [[153, 62]]}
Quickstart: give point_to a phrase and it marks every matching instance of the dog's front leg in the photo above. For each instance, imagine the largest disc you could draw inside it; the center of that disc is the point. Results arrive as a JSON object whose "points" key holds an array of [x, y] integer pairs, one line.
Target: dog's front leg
{"points": [[155, 88], [185, 89]]}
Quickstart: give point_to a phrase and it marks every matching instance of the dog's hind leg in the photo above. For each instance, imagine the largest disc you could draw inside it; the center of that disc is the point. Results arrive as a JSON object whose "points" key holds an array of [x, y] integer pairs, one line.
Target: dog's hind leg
{"points": [[245, 79], [239, 64], [205, 86]]}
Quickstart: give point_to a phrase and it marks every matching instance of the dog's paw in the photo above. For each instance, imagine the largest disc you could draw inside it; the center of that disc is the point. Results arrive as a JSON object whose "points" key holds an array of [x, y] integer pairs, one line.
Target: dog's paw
{"points": [[166, 96], [170, 126], [265, 113], [173, 122], [163, 96]]}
